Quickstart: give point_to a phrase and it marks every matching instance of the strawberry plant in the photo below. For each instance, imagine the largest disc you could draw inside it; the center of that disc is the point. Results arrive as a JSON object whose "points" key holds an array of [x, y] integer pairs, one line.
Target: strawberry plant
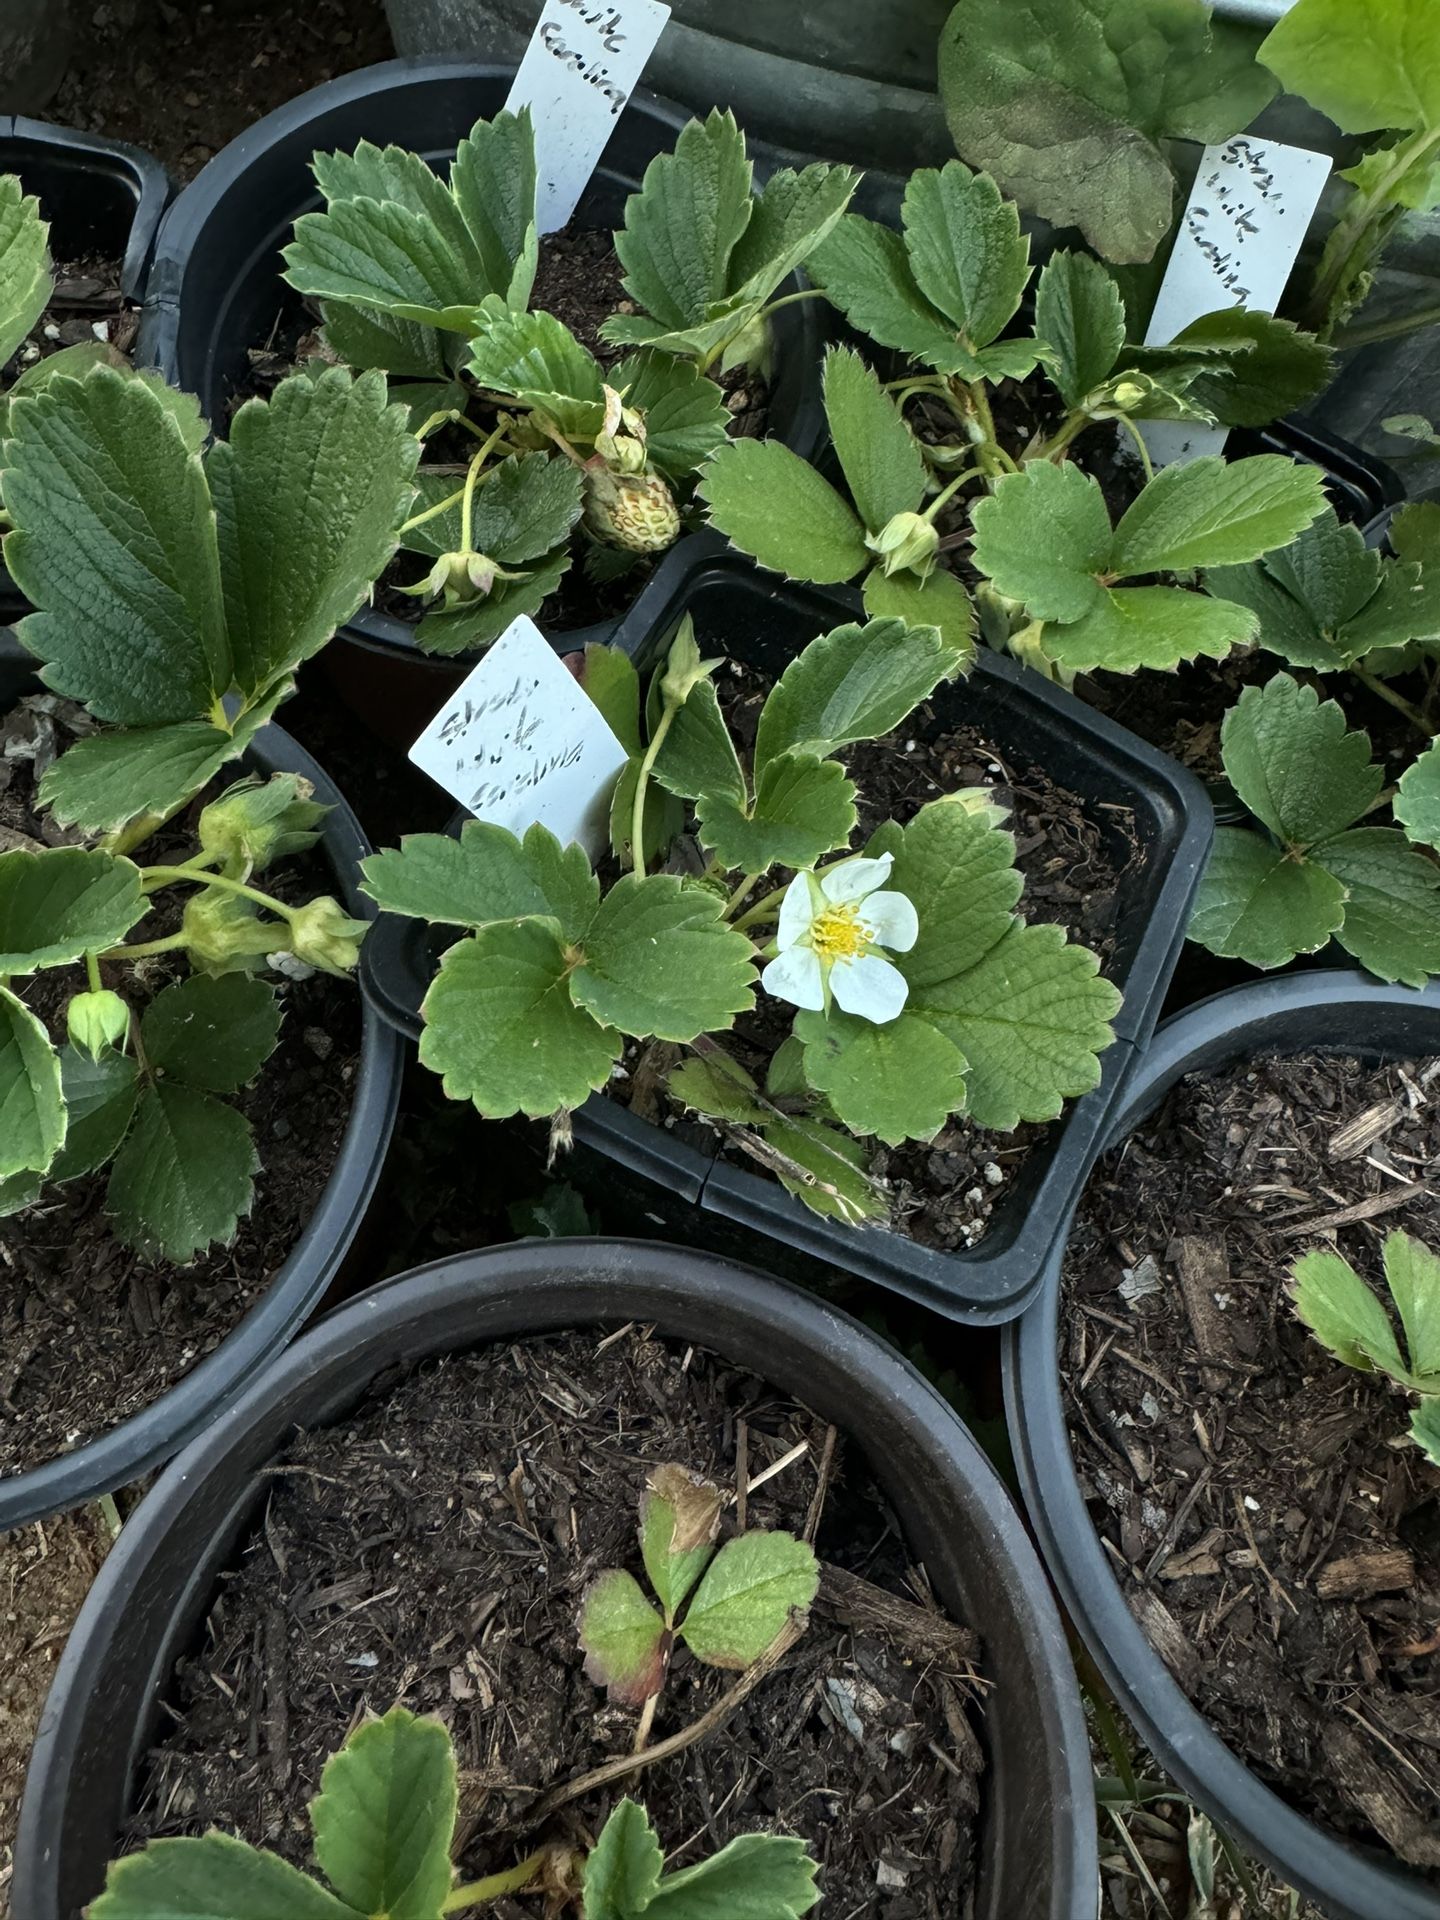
{"points": [[383, 1825], [919, 991]]}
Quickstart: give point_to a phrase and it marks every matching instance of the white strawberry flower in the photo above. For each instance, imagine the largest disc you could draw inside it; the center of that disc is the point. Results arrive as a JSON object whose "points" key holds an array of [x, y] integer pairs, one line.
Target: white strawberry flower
{"points": [[831, 925]]}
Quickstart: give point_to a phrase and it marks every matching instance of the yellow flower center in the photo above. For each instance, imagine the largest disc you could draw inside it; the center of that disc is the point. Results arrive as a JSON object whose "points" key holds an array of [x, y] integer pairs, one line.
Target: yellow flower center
{"points": [[838, 933]]}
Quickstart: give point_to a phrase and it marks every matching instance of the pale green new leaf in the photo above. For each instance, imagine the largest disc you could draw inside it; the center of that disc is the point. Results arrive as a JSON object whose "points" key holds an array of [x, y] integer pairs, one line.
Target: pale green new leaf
{"points": [[493, 181], [487, 875], [622, 1869], [1392, 905], [384, 1817], [62, 903], [758, 1876], [623, 1637], [502, 1029], [1412, 1273], [99, 1102], [659, 960], [32, 1112], [1216, 513], [1157, 627], [791, 216], [215, 1877], [901, 1080], [966, 251], [521, 510], [938, 601], [1417, 803], [960, 871], [1042, 537], [1255, 903], [115, 539], [679, 1519], [1366, 67], [853, 683], [774, 506], [804, 807], [470, 629], [1067, 103], [698, 345], [184, 1176], [681, 228], [1343, 1313], [536, 359], [747, 1595], [880, 456], [214, 1032], [697, 754], [25, 281], [1081, 317], [686, 418], [309, 493], [1294, 763], [1030, 1017]]}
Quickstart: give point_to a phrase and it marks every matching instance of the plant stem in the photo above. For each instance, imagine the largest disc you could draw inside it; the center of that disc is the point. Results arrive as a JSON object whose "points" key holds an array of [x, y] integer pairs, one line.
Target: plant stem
{"points": [[1070, 428], [152, 877], [1140, 446], [462, 495], [762, 910], [1401, 705], [646, 1722], [92, 973], [143, 949], [637, 812], [947, 493], [789, 300], [1353, 231], [1386, 329], [495, 1887], [747, 882]]}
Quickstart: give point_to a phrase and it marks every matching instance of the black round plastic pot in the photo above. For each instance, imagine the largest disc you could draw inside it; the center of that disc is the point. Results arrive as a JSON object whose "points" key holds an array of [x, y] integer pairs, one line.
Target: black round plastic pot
{"points": [[763, 621], [149, 1438], [1037, 1844], [100, 197], [216, 291], [1322, 1012]]}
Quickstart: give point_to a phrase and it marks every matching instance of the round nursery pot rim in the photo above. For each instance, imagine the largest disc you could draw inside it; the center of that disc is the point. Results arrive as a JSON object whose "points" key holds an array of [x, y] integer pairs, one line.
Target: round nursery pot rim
{"points": [[528, 1289], [154, 1434], [1346, 1882]]}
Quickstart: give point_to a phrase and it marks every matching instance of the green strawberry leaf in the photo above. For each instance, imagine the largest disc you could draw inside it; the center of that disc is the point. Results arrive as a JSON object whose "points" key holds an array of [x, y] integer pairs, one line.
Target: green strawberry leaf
{"points": [[390, 258], [1392, 904], [62, 903], [1068, 103], [1042, 537], [384, 1817], [485, 876], [826, 1169], [1080, 315], [1258, 904], [214, 1877], [25, 282], [1216, 513], [697, 755], [470, 629], [758, 1876], [1284, 625], [1282, 371], [686, 417], [878, 453], [100, 1100], [853, 683], [792, 214], [1343, 1313], [774, 506], [901, 1080], [502, 1030], [804, 808], [627, 1647], [865, 271], [622, 1869], [683, 225], [699, 345], [679, 1519], [1417, 803], [1030, 1018], [966, 251], [1412, 1273], [32, 1112], [1365, 68], [610, 679], [659, 961], [298, 556], [184, 1175], [521, 510], [493, 183], [1415, 532], [939, 601], [748, 1593], [718, 1087], [1294, 763], [1133, 627], [212, 1032], [115, 539], [1425, 1428], [401, 348], [960, 871], [536, 360]]}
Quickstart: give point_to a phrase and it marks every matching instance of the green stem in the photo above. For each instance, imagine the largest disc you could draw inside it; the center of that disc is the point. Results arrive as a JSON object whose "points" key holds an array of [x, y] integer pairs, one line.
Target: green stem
{"points": [[143, 949], [1140, 446], [92, 973], [430, 513], [1396, 700], [947, 493], [762, 910], [1387, 329], [789, 300], [739, 894], [463, 495], [495, 1887], [1071, 427], [637, 812], [152, 877], [1353, 231]]}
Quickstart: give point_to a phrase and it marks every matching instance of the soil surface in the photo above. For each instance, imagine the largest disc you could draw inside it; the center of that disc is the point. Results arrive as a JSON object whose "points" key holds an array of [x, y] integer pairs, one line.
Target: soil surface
{"points": [[944, 1191], [1277, 1535], [91, 1332], [434, 1550], [87, 305]]}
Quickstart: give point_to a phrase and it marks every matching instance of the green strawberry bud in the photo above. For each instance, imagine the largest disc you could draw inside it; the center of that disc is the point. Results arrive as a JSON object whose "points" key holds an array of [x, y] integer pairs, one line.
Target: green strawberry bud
{"points": [[907, 541], [684, 668], [253, 824], [97, 1021], [323, 935], [224, 934]]}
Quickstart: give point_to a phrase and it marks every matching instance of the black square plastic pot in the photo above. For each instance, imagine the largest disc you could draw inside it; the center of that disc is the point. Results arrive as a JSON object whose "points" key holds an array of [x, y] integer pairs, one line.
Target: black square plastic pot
{"points": [[1317, 1012], [1036, 1853], [100, 197], [763, 621], [150, 1437], [215, 291]]}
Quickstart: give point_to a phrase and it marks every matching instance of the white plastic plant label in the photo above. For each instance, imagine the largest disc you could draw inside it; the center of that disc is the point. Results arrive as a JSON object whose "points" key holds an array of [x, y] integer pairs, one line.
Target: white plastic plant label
{"points": [[583, 59], [1248, 213], [520, 741]]}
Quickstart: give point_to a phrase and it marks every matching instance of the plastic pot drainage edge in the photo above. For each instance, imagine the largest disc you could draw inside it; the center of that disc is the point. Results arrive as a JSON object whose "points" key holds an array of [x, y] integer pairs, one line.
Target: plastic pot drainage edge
{"points": [[738, 606], [152, 1436], [1332, 1012], [1037, 1847]]}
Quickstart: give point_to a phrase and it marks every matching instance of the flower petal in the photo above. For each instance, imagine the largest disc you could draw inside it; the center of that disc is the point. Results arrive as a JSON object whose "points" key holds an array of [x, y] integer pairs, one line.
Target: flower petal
{"points": [[853, 879], [797, 910], [869, 987], [795, 976], [892, 920]]}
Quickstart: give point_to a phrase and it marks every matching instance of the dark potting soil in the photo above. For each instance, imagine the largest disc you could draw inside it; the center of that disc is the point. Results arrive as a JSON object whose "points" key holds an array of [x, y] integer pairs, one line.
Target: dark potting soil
{"points": [[90, 1331], [86, 306], [943, 1191], [1277, 1535], [433, 1549]]}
